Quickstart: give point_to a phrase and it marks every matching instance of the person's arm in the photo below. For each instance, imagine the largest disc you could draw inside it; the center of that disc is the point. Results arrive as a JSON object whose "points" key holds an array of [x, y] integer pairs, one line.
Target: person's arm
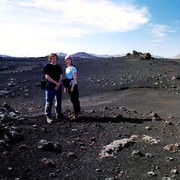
{"points": [[60, 79], [59, 83], [74, 81], [47, 77]]}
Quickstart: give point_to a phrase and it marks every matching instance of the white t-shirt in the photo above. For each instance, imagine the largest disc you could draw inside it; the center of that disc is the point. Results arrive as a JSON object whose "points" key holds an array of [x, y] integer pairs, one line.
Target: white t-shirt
{"points": [[69, 72]]}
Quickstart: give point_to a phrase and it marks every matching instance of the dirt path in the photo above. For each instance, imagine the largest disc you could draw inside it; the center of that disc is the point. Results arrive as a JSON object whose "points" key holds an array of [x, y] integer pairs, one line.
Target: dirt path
{"points": [[142, 100]]}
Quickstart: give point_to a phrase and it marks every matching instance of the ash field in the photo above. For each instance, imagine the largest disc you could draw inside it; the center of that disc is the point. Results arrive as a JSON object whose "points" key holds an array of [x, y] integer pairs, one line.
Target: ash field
{"points": [[128, 129]]}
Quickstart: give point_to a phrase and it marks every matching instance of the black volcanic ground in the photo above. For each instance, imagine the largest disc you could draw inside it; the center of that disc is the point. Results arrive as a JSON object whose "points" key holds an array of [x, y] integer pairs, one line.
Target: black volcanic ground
{"points": [[129, 127]]}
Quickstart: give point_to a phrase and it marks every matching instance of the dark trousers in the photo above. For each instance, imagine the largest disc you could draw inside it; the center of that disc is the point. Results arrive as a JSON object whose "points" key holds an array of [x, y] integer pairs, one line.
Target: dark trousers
{"points": [[74, 95]]}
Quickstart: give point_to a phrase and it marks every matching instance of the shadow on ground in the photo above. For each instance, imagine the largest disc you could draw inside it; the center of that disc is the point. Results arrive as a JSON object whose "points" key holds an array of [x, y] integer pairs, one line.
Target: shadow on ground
{"points": [[111, 119]]}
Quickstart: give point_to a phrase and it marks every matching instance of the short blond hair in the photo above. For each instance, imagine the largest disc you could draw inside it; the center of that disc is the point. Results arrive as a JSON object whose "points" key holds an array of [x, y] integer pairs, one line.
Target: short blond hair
{"points": [[52, 55]]}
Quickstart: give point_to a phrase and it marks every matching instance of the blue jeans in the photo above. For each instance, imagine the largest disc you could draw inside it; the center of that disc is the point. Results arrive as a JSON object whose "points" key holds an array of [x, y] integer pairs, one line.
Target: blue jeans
{"points": [[50, 96]]}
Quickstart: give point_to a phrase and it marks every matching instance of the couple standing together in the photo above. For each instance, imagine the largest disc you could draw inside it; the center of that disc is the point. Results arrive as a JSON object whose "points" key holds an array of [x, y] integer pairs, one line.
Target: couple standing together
{"points": [[53, 90]]}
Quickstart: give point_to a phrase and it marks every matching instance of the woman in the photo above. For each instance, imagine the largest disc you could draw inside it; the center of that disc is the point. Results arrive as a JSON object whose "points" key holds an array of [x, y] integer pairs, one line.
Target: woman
{"points": [[71, 75], [53, 90]]}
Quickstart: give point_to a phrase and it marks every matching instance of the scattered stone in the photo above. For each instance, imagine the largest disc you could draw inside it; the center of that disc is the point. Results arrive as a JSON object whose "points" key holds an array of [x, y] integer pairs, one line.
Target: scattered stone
{"points": [[170, 147], [14, 136], [150, 139], [11, 84], [168, 178], [148, 127], [118, 116], [111, 150], [10, 168], [5, 92], [154, 116], [10, 134], [26, 95], [176, 77], [149, 155], [78, 139], [8, 114], [169, 159], [151, 173], [110, 178], [48, 162], [157, 167], [52, 175], [122, 108], [168, 123], [23, 147], [92, 111], [137, 153], [133, 138], [174, 171], [71, 155], [169, 116], [49, 146], [93, 139], [106, 108], [83, 148], [98, 170]]}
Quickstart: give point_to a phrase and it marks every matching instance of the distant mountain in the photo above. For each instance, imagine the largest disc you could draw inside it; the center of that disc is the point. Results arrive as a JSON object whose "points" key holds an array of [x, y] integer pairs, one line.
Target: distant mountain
{"points": [[101, 56], [4, 56], [76, 55], [106, 55], [61, 54], [82, 55], [157, 57], [118, 55]]}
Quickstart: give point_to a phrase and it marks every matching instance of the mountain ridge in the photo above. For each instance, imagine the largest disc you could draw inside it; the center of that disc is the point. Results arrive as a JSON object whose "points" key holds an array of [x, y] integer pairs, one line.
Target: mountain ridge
{"points": [[75, 55], [83, 55]]}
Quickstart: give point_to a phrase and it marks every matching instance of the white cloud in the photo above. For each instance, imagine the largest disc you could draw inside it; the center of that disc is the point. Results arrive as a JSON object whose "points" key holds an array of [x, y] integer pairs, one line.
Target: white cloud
{"points": [[91, 15], [160, 31], [32, 26]]}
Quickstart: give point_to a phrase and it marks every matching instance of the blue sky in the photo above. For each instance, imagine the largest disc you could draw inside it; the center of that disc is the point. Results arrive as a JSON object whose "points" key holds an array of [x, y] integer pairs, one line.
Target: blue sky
{"points": [[39, 27]]}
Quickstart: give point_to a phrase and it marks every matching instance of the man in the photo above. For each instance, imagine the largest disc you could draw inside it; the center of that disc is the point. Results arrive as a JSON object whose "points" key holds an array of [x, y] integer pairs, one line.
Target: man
{"points": [[53, 90]]}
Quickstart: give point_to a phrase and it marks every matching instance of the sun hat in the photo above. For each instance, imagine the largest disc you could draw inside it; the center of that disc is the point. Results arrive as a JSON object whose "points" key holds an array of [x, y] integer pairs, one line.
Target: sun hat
{"points": [[68, 57]]}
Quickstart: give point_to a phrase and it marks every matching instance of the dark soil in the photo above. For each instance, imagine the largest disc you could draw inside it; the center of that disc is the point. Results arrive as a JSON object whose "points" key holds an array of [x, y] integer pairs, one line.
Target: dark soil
{"points": [[117, 96]]}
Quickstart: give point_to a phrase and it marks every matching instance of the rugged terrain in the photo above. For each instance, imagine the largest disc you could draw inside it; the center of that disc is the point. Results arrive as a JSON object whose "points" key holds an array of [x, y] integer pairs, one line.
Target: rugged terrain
{"points": [[129, 127]]}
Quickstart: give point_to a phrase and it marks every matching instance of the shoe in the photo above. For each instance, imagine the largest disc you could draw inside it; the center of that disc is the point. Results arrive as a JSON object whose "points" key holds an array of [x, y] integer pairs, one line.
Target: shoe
{"points": [[73, 118], [70, 116], [49, 120]]}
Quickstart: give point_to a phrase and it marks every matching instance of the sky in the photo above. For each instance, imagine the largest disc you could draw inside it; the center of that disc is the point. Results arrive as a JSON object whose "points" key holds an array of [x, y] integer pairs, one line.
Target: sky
{"points": [[39, 27]]}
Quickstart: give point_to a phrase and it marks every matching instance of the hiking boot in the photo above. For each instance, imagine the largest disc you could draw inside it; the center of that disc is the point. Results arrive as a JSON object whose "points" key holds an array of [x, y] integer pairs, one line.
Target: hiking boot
{"points": [[48, 119]]}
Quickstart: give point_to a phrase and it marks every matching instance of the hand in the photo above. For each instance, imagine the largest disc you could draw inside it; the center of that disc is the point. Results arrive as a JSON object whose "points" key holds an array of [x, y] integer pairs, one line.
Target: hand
{"points": [[58, 84], [65, 90], [72, 88], [56, 88]]}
